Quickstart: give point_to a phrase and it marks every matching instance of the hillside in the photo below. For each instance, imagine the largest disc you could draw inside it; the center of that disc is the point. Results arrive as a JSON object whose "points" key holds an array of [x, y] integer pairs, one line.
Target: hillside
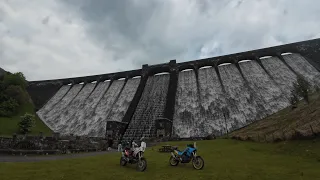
{"points": [[14, 103], [299, 123], [8, 125], [2, 72]]}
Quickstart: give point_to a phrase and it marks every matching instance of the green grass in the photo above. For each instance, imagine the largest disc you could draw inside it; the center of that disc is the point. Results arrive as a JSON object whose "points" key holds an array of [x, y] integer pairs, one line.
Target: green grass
{"points": [[8, 126], [224, 159]]}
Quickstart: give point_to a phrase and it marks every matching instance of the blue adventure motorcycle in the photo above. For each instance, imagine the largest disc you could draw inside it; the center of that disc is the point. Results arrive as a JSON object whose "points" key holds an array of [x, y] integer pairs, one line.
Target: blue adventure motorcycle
{"points": [[186, 156]]}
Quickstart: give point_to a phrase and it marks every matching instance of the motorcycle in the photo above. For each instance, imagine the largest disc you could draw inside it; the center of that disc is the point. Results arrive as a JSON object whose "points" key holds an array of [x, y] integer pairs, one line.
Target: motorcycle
{"points": [[186, 156], [134, 155]]}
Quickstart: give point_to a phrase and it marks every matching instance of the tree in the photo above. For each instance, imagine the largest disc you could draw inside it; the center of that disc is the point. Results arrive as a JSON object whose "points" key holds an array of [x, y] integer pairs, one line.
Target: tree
{"points": [[12, 93], [17, 93], [8, 106], [15, 79], [26, 123], [301, 88]]}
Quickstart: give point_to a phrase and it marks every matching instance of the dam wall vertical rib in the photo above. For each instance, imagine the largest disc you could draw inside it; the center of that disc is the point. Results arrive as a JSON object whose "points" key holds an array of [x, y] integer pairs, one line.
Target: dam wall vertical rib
{"points": [[134, 103], [171, 97]]}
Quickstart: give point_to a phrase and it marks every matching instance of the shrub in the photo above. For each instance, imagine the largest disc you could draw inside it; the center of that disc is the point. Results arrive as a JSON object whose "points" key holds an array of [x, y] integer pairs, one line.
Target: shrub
{"points": [[26, 123], [8, 107], [301, 88], [210, 137], [17, 93], [294, 99]]}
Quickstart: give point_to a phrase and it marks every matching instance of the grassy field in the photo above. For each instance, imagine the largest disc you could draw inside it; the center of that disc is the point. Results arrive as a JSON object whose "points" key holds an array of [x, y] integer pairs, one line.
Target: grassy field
{"points": [[285, 123], [8, 126], [224, 159]]}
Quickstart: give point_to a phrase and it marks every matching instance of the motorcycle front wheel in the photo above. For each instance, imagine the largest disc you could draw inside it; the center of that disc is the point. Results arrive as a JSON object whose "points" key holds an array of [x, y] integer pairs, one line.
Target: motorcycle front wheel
{"points": [[142, 165], [123, 162], [173, 161], [198, 163]]}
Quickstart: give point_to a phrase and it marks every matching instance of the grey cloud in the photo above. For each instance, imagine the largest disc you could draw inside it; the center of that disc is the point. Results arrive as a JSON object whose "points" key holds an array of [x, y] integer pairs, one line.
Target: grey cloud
{"points": [[149, 27], [79, 37], [46, 20]]}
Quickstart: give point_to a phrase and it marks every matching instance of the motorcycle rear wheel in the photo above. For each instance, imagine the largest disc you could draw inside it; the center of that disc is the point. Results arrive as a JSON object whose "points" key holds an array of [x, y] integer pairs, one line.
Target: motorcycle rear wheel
{"points": [[123, 162], [142, 165], [173, 161], [198, 163]]}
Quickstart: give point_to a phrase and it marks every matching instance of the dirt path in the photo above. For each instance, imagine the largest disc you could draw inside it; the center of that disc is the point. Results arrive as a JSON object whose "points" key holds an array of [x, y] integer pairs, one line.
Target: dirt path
{"points": [[10, 158]]}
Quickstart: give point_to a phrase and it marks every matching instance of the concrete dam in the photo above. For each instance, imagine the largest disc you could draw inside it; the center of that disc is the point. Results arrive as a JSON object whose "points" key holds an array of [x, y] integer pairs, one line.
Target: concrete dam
{"points": [[190, 99]]}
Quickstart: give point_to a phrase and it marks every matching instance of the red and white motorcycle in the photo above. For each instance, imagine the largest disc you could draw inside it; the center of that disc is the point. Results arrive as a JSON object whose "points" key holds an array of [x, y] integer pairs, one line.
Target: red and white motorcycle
{"points": [[134, 155]]}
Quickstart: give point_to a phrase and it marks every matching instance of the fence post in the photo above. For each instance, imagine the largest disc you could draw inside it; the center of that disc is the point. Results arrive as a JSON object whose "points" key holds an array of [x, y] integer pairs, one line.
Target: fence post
{"points": [[284, 136], [258, 137]]}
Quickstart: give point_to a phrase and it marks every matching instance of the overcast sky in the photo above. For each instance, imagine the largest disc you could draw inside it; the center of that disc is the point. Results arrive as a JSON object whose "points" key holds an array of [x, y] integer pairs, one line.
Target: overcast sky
{"points": [[49, 39]]}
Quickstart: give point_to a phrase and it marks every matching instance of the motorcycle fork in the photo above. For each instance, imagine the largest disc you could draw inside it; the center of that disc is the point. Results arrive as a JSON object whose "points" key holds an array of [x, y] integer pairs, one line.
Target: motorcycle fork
{"points": [[175, 156], [194, 156], [139, 155]]}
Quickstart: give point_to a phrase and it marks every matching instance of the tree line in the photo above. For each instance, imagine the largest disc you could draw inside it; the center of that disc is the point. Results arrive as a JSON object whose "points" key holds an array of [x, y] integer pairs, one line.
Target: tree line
{"points": [[12, 93], [13, 96]]}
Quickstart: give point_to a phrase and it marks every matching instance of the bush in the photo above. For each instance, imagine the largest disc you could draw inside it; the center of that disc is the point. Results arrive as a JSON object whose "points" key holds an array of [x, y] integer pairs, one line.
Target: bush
{"points": [[8, 107], [210, 137], [294, 99], [301, 88], [26, 123]]}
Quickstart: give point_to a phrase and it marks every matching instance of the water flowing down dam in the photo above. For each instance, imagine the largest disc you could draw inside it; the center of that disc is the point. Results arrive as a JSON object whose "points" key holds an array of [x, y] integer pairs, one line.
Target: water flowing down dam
{"points": [[121, 106], [267, 95], [150, 107], [300, 65], [188, 99], [84, 116], [53, 101], [66, 122], [50, 117], [281, 74], [187, 107], [98, 120], [213, 103], [241, 107]]}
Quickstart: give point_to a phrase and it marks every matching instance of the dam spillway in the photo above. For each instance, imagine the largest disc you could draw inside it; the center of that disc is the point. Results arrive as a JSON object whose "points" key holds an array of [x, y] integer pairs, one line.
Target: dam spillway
{"points": [[187, 107], [150, 107], [197, 98]]}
